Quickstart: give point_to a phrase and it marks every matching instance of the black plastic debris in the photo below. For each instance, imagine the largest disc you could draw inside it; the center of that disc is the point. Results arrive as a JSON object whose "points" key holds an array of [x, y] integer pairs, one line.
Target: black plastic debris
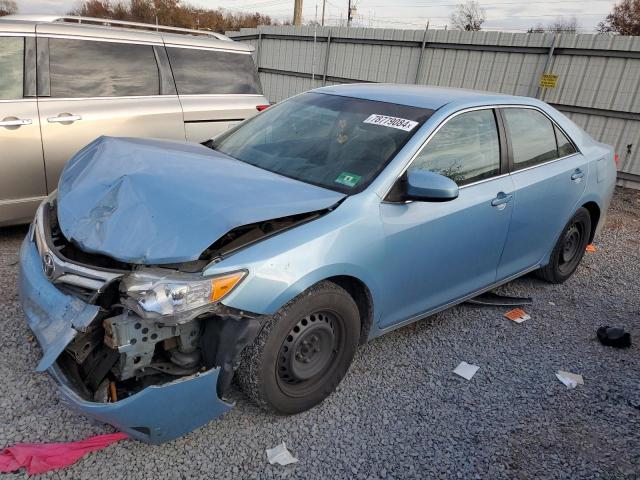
{"points": [[614, 337], [494, 299]]}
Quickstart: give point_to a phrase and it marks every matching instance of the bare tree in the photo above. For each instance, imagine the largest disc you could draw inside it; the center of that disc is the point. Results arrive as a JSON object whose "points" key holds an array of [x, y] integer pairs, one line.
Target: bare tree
{"points": [[468, 16], [559, 25], [623, 20], [8, 7]]}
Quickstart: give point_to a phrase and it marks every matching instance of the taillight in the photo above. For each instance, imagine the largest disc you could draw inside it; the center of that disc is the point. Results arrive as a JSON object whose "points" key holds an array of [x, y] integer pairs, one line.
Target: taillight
{"points": [[261, 107], [616, 159]]}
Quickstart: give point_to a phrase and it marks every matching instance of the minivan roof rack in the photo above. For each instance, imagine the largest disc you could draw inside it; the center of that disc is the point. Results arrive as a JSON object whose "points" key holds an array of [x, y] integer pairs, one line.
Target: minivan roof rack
{"points": [[106, 22]]}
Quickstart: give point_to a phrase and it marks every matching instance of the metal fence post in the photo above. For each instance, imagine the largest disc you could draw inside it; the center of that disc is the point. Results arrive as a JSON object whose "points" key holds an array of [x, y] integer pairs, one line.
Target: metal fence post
{"points": [[547, 64], [326, 59], [259, 49], [424, 45]]}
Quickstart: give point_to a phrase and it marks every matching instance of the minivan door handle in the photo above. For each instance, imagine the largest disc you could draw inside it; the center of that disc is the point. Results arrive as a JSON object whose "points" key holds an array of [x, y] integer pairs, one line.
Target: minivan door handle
{"points": [[501, 200], [578, 174], [64, 118], [15, 122]]}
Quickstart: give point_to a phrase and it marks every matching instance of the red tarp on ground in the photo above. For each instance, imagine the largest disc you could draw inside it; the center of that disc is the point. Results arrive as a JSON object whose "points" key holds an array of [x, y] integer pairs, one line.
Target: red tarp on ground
{"points": [[42, 457]]}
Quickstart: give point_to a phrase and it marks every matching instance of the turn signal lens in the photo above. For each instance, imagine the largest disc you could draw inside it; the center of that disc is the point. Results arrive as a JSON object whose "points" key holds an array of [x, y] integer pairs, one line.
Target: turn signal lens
{"points": [[220, 286], [261, 107]]}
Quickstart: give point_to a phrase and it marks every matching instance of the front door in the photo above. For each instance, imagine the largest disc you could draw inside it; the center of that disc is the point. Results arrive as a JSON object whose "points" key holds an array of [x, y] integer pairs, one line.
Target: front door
{"points": [[22, 180], [549, 177], [101, 88], [437, 253]]}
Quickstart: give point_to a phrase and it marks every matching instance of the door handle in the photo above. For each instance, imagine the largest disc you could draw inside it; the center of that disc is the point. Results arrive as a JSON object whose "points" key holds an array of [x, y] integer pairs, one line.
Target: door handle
{"points": [[501, 200], [15, 122], [577, 174], [64, 118]]}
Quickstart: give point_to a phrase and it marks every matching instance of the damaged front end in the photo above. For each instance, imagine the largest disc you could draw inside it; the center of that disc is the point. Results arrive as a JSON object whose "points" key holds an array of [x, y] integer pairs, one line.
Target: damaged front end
{"points": [[150, 350]]}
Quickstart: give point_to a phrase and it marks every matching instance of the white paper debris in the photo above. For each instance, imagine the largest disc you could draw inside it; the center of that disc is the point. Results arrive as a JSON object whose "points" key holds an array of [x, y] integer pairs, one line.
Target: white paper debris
{"points": [[466, 370], [279, 454], [571, 380]]}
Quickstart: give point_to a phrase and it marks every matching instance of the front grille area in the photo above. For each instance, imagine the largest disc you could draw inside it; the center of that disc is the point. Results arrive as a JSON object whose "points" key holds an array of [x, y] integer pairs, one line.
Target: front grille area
{"points": [[90, 278]]}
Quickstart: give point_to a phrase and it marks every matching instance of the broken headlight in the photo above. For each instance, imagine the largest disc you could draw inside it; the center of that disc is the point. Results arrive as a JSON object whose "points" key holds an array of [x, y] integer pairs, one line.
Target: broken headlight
{"points": [[155, 291]]}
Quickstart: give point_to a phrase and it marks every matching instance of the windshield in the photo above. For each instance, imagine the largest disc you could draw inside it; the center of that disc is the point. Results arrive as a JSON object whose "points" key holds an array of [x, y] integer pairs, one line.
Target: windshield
{"points": [[336, 142]]}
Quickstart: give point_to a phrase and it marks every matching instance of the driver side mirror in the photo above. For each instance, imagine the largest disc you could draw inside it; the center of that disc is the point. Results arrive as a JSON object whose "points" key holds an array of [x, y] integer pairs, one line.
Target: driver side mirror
{"points": [[424, 186]]}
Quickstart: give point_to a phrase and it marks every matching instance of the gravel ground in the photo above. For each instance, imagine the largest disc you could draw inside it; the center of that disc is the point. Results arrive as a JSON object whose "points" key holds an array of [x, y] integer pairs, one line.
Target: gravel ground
{"points": [[400, 412]]}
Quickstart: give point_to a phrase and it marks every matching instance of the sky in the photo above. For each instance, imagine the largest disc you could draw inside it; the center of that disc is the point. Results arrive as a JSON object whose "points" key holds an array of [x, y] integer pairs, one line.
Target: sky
{"points": [[510, 15]]}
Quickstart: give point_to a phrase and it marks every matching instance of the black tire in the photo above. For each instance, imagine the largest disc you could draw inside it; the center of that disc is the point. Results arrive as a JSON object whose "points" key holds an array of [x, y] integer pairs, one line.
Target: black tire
{"points": [[569, 249], [303, 351]]}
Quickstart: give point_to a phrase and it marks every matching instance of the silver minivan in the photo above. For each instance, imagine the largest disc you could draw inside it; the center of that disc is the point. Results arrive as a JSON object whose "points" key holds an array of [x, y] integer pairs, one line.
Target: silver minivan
{"points": [[66, 80]]}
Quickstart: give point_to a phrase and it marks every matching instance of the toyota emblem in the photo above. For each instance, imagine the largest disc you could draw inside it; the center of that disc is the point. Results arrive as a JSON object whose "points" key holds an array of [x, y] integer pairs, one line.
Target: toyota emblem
{"points": [[48, 266]]}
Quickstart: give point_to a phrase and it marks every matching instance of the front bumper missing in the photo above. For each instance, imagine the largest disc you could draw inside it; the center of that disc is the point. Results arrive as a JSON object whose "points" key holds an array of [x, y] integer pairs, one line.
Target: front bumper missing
{"points": [[156, 414]]}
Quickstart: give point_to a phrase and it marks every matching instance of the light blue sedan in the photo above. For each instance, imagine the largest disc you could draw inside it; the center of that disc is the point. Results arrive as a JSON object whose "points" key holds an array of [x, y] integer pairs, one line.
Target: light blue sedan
{"points": [[159, 270]]}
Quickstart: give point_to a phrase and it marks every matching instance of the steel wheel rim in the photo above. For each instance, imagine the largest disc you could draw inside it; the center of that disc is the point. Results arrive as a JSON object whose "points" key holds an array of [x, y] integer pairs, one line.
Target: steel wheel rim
{"points": [[309, 353], [570, 253]]}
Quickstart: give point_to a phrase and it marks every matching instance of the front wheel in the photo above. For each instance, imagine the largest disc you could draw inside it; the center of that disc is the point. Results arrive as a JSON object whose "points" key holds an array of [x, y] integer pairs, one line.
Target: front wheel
{"points": [[303, 351], [569, 249]]}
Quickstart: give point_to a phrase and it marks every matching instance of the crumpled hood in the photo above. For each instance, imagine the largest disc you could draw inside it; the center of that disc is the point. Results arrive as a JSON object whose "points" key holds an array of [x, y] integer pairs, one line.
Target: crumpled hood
{"points": [[155, 201]]}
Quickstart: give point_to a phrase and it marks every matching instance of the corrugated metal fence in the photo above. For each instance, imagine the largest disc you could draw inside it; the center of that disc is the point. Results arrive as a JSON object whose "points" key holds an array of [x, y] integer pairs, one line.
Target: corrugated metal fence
{"points": [[598, 76]]}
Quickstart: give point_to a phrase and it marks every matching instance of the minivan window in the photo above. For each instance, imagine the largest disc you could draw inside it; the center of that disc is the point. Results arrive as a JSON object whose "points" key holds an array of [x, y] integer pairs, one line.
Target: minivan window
{"points": [[466, 149], [11, 67], [340, 143], [82, 68], [533, 140], [202, 72]]}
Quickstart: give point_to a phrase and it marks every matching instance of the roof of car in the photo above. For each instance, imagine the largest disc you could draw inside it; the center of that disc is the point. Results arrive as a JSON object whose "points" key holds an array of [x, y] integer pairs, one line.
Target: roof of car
{"points": [[99, 28], [415, 95]]}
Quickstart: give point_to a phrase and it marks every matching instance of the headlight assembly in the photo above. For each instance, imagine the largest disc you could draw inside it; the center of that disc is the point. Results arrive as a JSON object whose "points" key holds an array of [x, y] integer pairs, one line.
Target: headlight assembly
{"points": [[157, 292]]}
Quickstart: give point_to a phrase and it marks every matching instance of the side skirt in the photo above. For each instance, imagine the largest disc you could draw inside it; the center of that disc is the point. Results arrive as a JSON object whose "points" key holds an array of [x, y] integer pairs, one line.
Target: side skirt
{"points": [[428, 313]]}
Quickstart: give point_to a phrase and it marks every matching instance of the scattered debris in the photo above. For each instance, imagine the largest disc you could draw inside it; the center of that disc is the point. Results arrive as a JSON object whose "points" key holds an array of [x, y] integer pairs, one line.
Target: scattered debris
{"points": [[571, 380], [44, 457], [491, 298], [517, 315], [614, 337], [466, 370], [279, 454], [591, 248], [553, 304]]}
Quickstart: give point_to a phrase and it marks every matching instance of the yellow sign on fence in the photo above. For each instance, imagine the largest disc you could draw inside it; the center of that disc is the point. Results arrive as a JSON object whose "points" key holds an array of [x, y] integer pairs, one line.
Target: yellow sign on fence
{"points": [[548, 80]]}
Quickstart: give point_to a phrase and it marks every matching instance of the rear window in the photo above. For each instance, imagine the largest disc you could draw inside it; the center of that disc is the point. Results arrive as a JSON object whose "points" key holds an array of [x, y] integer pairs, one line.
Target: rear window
{"points": [[81, 68], [202, 72], [533, 139], [11, 67]]}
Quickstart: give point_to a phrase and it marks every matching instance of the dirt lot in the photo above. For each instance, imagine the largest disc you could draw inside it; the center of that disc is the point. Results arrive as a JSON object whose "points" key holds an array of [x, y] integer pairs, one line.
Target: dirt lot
{"points": [[400, 412]]}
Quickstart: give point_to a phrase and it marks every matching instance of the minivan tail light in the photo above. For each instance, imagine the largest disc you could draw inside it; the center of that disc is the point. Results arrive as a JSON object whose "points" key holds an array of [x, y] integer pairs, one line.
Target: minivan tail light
{"points": [[261, 107]]}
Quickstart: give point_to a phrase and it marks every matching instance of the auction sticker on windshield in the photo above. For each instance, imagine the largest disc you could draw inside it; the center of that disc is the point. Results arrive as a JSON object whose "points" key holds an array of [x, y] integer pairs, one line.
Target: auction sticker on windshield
{"points": [[392, 122], [348, 179]]}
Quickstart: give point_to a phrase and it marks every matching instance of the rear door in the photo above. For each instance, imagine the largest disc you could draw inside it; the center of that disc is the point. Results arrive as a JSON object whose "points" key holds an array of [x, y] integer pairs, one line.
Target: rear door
{"points": [[100, 86], [217, 88], [22, 180], [549, 176]]}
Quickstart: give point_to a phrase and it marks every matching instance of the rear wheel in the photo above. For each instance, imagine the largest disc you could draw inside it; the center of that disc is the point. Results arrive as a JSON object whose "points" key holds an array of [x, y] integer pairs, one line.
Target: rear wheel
{"points": [[569, 249], [303, 352]]}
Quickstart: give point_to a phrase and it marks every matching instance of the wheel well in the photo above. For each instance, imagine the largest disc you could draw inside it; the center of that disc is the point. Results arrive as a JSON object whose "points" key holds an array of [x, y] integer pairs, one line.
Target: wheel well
{"points": [[362, 296], [594, 213]]}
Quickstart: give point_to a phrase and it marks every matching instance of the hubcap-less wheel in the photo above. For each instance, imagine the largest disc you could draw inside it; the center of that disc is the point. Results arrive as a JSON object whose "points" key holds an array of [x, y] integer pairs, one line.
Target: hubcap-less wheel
{"points": [[308, 352], [572, 243]]}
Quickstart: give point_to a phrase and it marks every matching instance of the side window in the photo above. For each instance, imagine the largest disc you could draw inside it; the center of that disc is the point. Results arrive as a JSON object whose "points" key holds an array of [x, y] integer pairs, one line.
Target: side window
{"points": [[466, 149], [82, 68], [565, 147], [533, 140], [202, 72], [11, 67]]}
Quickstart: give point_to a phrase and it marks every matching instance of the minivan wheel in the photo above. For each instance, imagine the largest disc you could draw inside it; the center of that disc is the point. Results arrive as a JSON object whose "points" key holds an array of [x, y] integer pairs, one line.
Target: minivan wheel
{"points": [[569, 249], [303, 351]]}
